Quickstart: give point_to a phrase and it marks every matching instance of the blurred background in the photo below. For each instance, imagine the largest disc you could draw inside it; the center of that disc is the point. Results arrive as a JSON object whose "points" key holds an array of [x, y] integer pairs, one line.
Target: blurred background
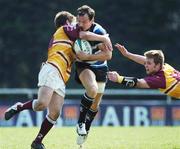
{"points": [[27, 26]]}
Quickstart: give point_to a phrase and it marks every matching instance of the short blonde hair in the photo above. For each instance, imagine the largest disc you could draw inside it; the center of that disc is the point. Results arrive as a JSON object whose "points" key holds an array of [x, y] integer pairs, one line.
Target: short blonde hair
{"points": [[61, 18], [156, 55]]}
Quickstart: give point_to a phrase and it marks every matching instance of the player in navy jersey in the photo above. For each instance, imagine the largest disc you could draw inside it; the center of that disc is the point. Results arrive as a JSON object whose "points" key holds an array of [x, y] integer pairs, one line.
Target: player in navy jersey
{"points": [[54, 75], [91, 72]]}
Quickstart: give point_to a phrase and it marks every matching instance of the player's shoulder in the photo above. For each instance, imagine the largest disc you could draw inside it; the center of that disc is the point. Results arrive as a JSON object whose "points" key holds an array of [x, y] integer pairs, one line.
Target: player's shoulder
{"points": [[167, 67], [65, 28], [70, 27], [97, 28]]}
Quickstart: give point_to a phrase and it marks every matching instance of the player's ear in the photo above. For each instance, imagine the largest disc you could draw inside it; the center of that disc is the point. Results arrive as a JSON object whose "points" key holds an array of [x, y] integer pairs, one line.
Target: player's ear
{"points": [[67, 22], [158, 66], [92, 20]]}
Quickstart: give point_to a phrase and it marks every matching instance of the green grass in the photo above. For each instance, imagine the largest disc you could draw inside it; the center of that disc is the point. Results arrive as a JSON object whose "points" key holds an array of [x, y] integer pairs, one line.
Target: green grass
{"points": [[99, 138]]}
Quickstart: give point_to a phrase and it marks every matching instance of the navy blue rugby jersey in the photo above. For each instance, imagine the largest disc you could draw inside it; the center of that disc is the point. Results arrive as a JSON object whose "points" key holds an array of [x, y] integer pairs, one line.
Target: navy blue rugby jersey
{"points": [[97, 29]]}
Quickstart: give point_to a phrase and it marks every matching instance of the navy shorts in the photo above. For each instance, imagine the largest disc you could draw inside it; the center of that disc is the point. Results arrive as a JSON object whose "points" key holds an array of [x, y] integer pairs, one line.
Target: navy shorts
{"points": [[100, 73]]}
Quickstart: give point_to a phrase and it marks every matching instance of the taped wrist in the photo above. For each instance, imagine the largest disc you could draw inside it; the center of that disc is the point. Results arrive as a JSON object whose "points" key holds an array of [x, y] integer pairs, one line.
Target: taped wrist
{"points": [[127, 81]]}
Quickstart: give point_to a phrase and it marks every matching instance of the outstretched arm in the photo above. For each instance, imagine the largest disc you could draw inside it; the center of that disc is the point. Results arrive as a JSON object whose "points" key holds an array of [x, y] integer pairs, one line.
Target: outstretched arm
{"points": [[127, 81], [134, 57]]}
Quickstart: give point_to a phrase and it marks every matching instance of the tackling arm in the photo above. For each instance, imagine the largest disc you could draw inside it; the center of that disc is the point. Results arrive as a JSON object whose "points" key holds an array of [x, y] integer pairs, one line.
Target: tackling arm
{"points": [[103, 55], [142, 84], [95, 37], [74, 32], [127, 81]]}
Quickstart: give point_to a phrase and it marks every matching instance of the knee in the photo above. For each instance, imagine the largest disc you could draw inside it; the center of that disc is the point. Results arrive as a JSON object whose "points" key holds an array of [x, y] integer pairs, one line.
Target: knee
{"points": [[54, 115], [40, 105], [92, 91]]}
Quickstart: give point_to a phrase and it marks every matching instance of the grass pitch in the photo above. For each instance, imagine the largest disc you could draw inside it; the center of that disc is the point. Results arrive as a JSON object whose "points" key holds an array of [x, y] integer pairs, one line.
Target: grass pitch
{"points": [[99, 138]]}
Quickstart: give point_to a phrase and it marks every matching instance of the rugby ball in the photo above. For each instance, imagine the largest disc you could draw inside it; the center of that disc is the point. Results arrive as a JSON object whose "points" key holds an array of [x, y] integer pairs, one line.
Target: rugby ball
{"points": [[83, 46]]}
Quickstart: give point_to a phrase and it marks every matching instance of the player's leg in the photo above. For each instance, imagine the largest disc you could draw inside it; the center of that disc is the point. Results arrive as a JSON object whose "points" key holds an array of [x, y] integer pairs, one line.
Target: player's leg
{"points": [[101, 78], [46, 84], [54, 107], [90, 117], [54, 110], [88, 80], [44, 96], [93, 111]]}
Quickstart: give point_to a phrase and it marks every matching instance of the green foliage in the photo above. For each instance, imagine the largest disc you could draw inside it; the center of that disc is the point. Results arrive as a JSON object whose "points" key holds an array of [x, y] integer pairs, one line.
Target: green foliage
{"points": [[27, 26]]}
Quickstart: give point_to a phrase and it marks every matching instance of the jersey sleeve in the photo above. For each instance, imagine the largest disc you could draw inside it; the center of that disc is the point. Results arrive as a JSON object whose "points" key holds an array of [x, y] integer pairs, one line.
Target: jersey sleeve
{"points": [[72, 32], [98, 29], [156, 81]]}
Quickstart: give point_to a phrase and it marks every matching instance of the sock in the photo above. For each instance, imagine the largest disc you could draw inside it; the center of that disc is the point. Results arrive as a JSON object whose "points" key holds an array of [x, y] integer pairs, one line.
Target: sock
{"points": [[26, 105], [86, 103], [46, 125], [89, 118]]}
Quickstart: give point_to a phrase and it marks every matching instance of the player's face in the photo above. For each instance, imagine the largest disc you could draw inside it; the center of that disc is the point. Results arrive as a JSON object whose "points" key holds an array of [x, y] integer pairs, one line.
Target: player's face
{"points": [[84, 22], [151, 67]]}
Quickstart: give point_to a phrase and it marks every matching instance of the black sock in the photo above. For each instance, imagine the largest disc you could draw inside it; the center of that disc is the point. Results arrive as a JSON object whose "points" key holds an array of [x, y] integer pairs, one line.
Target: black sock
{"points": [[89, 118], [86, 103]]}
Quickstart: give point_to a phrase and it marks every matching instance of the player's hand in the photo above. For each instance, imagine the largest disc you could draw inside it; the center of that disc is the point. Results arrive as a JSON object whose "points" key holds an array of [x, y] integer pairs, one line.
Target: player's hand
{"points": [[113, 76], [103, 47], [107, 43], [82, 56], [122, 49]]}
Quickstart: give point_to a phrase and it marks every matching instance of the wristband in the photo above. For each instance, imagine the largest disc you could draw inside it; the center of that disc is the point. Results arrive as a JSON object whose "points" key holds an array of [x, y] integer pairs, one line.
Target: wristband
{"points": [[120, 79]]}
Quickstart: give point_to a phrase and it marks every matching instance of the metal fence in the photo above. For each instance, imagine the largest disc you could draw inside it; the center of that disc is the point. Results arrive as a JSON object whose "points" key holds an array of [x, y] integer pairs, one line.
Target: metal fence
{"points": [[108, 92]]}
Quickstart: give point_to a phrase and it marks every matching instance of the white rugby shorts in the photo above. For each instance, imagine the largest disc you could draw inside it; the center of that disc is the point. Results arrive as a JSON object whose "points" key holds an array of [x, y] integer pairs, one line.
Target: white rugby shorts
{"points": [[49, 76]]}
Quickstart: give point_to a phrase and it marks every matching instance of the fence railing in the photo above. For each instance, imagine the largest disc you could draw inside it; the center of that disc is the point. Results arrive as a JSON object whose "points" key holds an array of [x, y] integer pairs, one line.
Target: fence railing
{"points": [[109, 92]]}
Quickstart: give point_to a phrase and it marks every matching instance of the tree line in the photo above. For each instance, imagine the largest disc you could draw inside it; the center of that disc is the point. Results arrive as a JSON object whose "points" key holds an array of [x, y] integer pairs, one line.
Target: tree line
{"points": [[27, 26]]}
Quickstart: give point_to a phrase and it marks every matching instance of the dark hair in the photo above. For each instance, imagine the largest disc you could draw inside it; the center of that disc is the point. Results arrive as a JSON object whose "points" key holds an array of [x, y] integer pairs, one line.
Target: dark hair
{"points": [[81, 11], [156, 55], [61, 18]]}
